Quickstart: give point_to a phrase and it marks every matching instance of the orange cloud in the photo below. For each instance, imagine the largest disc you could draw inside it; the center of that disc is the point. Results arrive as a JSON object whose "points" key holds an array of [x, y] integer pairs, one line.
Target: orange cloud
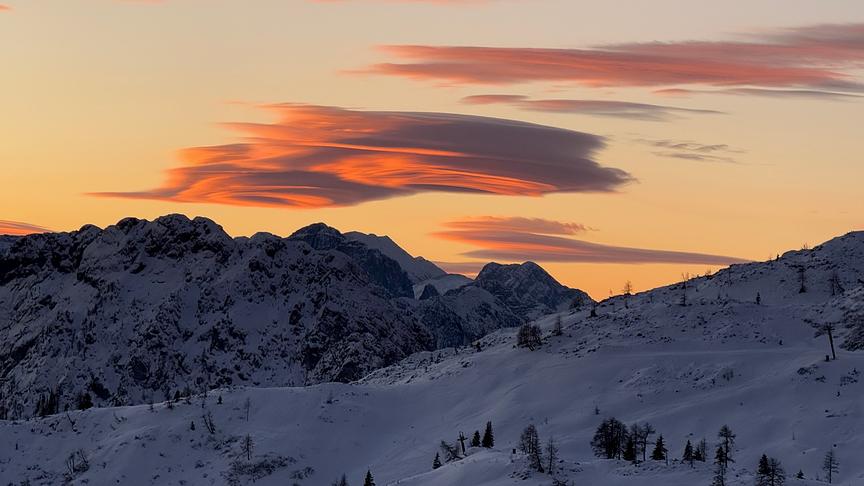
{"points": [[5, 8], [16, 228], [821, 57], [519, 240], [316, 156], [607, 108]]}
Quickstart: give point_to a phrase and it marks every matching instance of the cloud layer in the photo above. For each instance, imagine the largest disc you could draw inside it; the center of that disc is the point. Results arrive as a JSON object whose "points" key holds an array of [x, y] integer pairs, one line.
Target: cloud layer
{"points": [[615, 109], [318, 156], [689, 150], [512, 240], [18, 228], [821, 57]]}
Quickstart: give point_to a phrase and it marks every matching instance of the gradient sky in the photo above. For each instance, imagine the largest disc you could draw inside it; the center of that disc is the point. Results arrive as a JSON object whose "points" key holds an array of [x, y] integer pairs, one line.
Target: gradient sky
{"points": [[607, 140]]}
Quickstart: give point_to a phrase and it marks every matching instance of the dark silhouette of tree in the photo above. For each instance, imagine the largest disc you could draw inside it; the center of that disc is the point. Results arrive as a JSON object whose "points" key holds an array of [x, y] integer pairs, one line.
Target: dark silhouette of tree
{"points": [[436, 463], [660, 452], [369, 481], [343, 481], [630, 453], [830, 465], [488, 440], [701, 451], [529, 444], [727, 442], [834, 282], [529, 337], [475, 439], [799, 475], [551, 456], [688, 455], [246, 447], [609, 439], [720, 463], [558, 329]]}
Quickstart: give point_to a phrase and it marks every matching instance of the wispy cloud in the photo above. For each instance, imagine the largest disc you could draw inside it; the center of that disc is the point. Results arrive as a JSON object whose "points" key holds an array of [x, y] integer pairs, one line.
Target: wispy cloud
{"points": [[499, 239], [689, 150], [317, 156], [18, 228], [817, 57], [767, 93], [606, 108], [5, 8]]}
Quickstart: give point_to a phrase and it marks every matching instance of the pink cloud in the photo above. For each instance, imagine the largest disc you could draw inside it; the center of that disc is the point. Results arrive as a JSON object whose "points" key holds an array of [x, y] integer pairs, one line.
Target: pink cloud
{"points": [[17, 228], [822, 57], [499, 239], [606, 108], [317, 156]]}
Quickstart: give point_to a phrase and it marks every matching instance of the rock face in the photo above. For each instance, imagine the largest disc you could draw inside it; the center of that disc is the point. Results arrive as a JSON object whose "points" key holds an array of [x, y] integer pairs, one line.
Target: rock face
{"points": [[528, 290], [418, 268], [142, 309]]}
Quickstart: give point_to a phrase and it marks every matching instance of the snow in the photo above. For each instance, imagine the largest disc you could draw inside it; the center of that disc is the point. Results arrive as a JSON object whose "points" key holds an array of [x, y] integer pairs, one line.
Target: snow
{"points": [[688, 370]]}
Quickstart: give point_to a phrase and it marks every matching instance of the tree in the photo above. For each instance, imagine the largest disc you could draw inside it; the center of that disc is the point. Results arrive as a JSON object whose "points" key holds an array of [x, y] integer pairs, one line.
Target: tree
{"points": [[436, 463], [247, 404], [758, 298], [343, 481], [830, 465], [628, 288], [776, 474], [551, 456], [609, 438], [802, 280], [762, 471], [701, 452], [630, 453], [685, 277], [659, 452], [558, 329], [208, 422], [720, 462], [688, 455], [369, 481], [727, 442], [799, 475], [529, 444], [84, 401], [475, 439], [646, 431], [529, 337], [488, 440], [246, 447]]}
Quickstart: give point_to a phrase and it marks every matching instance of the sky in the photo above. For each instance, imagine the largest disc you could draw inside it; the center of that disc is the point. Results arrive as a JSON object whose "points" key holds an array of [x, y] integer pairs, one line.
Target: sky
{"points": [[606, 140]]}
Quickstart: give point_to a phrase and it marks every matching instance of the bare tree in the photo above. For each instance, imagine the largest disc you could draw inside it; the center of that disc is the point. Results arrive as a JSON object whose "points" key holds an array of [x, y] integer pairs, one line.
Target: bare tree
{"points": [[834, 282], [208, 422], [830, 465], [246, 447], [685, 277], [247, 404], [558, 329], [551, 456]]}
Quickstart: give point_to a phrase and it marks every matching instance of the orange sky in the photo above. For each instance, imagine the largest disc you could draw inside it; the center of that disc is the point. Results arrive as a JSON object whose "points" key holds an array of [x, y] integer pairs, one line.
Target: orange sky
{"points": [[609, 141]]}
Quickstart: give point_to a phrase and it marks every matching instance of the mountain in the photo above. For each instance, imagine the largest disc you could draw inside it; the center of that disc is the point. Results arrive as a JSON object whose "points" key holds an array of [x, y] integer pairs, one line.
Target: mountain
{"points": [[528, 290], [687, 358], [143, 309], [418, 268]]}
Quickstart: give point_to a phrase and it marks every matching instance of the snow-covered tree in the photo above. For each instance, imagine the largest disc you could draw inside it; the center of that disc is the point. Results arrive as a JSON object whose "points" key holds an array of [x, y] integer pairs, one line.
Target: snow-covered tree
{"points": [[688, 455]]}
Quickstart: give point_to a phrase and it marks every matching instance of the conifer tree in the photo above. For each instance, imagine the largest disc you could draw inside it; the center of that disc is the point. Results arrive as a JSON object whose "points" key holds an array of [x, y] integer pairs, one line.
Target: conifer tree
{"points": [[659, 452], [488, 440], [688, 453], [369, 481], [720, 462], [762, 471], [630, 449], [343, 481], [800, 474], [551, 456], [475, 439], [436, 463], [727, 441]]}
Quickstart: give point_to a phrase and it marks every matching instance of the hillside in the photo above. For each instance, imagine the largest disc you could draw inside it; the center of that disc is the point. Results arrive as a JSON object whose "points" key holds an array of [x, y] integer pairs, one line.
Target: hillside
{"points": [[686, 358]]}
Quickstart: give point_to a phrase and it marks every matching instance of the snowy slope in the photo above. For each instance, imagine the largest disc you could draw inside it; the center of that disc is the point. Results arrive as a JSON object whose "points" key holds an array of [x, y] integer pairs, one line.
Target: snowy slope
{"points": [[687, 369]]}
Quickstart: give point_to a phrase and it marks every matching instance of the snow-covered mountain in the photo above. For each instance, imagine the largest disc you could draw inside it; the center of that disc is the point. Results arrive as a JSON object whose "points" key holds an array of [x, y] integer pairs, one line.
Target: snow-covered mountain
{"points": [[142, 309], [418, 268], [743, 347], [528, 290]]}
